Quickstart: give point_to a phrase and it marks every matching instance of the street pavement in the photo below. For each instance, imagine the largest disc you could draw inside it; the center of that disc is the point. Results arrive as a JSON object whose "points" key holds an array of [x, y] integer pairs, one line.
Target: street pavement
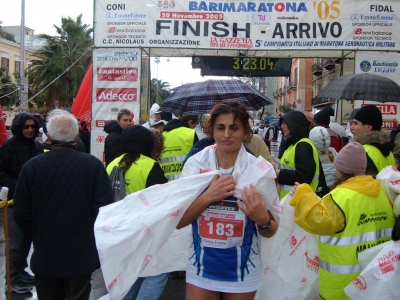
{"points": [[175, 289]]}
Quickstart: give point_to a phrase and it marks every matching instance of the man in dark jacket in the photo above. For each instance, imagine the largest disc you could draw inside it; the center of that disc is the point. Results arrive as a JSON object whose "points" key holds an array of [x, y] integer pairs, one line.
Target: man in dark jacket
{"points": [[112, 144], [57, 200], [14, 153]]}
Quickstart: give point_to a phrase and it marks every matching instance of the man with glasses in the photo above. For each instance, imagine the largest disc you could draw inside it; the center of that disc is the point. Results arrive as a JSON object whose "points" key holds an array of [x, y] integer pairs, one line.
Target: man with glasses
{"points": [[14, 153]]}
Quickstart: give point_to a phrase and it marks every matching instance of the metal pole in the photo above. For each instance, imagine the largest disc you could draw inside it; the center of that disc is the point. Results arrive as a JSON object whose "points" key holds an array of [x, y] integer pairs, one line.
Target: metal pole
{"points": [[22, 52], [157, 61]]}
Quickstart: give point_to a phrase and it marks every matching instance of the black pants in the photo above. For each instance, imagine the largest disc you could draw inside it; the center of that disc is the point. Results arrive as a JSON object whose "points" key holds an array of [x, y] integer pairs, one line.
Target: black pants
{"points": [[76, 288], [20, 244]]}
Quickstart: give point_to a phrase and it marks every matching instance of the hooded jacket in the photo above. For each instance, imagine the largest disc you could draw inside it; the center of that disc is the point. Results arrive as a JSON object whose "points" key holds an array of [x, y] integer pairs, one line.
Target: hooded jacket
{"points": [[304, 159], [16, 151], [154, 108], [378, 139], [327, 154], [112, 144]]}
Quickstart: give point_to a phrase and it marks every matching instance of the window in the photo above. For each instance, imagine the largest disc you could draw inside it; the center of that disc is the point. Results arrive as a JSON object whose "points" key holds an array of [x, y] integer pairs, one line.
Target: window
{"points": [[17, 66], [5, 63]]}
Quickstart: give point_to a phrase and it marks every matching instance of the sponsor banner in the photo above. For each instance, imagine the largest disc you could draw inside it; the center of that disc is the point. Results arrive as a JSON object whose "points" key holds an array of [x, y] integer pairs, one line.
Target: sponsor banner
{"points": [[257, 25], [116, 85], [117, 74], [384, 64]]}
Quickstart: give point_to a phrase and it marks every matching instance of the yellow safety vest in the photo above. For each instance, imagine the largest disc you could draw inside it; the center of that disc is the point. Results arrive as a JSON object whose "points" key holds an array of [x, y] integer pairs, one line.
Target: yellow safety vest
{"points": [[369, 221], [177, 144], [379, 160], [288, 163], [137, 174]]}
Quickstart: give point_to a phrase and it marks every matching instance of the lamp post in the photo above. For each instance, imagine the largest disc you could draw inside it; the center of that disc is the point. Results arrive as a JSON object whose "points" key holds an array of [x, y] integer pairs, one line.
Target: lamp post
{"points": [[157, 61]]}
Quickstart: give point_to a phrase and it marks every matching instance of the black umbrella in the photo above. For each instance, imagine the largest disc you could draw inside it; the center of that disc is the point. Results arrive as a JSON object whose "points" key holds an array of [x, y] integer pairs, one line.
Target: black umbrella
{"points": [[362, 87], [200, 97]]}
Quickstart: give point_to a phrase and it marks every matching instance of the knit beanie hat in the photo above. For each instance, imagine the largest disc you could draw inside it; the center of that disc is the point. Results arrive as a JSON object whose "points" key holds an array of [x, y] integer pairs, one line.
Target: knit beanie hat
{"points": [[137, 139], [370, 115], [352, 159], [323, 116]]}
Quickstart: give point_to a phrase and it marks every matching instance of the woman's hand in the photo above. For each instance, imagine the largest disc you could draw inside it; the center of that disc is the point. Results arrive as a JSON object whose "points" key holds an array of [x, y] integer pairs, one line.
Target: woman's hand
{"points": [[293, 191], [253, 205], [220, 189]]}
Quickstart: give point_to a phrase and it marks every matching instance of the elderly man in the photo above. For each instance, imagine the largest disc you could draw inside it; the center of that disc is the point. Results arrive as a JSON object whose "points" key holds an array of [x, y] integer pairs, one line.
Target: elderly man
{"points": [[14, 153], [56, 201]]}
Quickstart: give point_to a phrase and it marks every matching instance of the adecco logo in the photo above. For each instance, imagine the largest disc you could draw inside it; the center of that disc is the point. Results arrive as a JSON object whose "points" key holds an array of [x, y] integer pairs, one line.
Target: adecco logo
{"points": [[116, 94]]}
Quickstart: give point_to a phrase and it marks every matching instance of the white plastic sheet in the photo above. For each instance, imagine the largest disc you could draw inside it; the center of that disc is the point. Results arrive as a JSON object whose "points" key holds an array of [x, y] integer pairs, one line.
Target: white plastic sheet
{"points": [[131, 232], [293, 258], [380, 279], [389, 177]]}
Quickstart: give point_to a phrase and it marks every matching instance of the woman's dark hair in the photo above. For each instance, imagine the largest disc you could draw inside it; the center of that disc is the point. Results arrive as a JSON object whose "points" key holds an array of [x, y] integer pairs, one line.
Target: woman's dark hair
{"points": [[186, 119], [127, 160], [158, 144], [238, 110], [344, 178]]}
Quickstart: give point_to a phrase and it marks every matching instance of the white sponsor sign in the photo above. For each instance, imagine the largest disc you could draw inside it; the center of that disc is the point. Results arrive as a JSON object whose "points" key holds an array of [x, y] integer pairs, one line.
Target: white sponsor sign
{"points": [[383, 64], [116, 85], [257, 25]]}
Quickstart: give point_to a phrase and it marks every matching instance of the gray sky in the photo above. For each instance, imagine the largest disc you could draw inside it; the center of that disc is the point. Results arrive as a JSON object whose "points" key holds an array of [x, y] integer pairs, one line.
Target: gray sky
{"points": [[41, 15]]}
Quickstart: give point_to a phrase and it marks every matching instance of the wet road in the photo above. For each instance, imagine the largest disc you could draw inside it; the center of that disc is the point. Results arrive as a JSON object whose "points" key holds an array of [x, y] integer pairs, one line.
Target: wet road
{"points": [[175, 289]]}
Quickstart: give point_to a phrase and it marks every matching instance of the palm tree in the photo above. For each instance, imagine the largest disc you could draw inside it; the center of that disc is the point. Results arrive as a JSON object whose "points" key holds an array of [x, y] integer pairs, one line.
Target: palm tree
{"points": [[72, 41], [159, 90], [8, 89]]}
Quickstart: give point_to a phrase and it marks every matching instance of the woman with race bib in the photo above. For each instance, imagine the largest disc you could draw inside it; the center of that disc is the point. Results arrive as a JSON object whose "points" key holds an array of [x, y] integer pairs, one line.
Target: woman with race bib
{"points": [[224, 260]]}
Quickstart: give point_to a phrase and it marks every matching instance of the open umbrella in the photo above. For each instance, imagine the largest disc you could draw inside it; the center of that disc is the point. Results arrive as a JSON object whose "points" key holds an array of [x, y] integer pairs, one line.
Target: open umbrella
{"points": [[362, 87], [200, 97]]}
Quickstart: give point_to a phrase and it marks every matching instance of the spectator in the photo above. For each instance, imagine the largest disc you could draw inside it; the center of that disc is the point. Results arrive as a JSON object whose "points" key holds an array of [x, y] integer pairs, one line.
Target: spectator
{"points": [[179, 138], [154, 116], [57, 199], [141, 171], [84, 135], [268, 135], [112, 144], [367, 130], [353, 217], [299, 162], [321, 139], [14, 153], [322, 118]]}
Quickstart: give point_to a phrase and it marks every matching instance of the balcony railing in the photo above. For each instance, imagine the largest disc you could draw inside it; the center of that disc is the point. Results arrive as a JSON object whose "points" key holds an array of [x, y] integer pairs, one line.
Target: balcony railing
{"points": [[328, 63], [316, 70]]}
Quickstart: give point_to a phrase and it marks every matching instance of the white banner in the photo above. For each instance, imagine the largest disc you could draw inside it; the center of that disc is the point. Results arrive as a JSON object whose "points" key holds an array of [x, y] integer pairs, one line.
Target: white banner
{"points": [[116, 85], [256, 25]]}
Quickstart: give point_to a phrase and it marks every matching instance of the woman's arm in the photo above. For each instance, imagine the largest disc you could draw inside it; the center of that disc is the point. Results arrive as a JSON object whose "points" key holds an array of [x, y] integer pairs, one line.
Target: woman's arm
{"points": [[219, 189]]}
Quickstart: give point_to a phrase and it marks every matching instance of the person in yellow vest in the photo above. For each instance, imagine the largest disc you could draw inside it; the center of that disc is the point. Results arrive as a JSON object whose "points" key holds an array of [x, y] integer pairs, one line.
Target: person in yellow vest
{"points": [[139, 147], [354, 216], [367, 130], [299, 162], [179, 138]]}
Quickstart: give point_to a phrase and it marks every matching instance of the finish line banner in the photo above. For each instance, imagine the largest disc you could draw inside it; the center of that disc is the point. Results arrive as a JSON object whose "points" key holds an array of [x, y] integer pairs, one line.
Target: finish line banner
{"points": [[255, 25]]}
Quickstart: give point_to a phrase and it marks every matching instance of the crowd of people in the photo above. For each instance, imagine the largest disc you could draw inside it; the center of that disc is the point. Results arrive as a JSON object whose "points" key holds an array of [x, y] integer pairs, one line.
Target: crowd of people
{"points": [[58, 189]]}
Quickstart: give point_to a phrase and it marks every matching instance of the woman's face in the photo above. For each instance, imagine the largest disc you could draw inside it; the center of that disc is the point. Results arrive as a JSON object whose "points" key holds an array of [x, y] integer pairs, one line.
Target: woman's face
{"points": [[228, 133], [285, 128]]}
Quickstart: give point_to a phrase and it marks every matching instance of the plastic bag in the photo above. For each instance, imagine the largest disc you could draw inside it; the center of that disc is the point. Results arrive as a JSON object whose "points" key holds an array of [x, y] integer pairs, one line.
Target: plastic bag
{"points": [[389, 177], [294, 255], [380, 279], [130, 233], [117, 183]]}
